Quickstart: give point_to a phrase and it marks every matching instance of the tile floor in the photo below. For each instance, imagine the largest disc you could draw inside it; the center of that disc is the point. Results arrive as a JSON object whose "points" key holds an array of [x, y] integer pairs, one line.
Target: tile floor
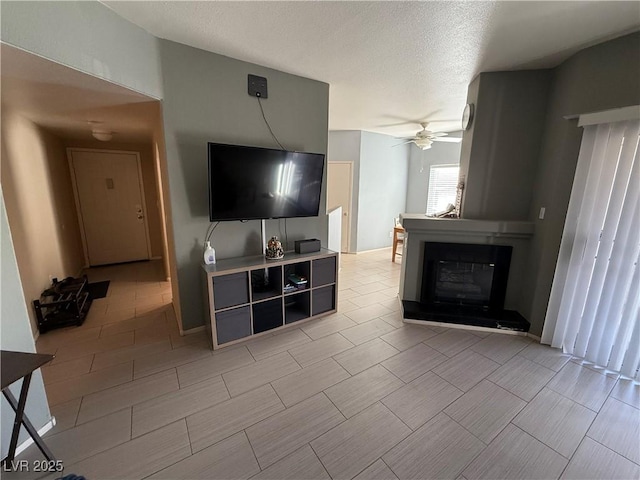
{"points": [[358, 394]]}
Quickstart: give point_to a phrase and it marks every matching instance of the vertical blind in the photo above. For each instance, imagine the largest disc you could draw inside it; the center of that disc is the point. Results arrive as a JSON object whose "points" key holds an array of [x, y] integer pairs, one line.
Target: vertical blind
{"points": [[593, 310], [443, 184]]}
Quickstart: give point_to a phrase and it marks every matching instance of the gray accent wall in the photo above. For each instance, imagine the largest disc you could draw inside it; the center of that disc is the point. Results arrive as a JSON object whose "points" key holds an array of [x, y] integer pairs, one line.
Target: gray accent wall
{"points": [[15, 335], [420, 162], [87, 36], [206, 100], [521, 153], [344, 146], [601, 77], [501, 151]]}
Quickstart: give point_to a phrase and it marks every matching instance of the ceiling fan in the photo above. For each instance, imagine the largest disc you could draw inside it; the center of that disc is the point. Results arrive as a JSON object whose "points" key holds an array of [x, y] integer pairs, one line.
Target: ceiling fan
{"points": [[424, 138]]}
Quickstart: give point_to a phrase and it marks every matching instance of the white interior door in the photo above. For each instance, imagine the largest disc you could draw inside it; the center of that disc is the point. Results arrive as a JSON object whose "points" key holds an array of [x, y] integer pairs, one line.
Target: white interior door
{"points": [[111, 210], [339, 192]]}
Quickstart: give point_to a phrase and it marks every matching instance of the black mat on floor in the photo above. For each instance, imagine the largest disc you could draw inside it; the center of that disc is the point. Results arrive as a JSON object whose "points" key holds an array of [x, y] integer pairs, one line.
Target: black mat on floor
{"points": [[98, 289]]}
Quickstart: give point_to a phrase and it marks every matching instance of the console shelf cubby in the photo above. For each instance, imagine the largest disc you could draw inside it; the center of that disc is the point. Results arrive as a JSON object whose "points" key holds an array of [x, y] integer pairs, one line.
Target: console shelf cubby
{"points": [[250, 296]]}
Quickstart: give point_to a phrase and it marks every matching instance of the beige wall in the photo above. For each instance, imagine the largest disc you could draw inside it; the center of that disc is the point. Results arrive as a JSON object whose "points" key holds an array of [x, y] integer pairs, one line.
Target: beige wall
{"points": [[147, 161], [165, 212], [40, 206]]}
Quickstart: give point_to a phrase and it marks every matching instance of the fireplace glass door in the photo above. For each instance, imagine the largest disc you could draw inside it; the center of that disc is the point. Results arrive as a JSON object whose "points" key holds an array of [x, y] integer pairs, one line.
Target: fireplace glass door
{"points": [[465, 275], [466, 283]]}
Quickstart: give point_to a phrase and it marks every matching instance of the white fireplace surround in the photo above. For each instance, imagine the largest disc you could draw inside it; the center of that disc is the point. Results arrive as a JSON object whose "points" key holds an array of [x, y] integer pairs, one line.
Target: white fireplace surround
{"points": [[420, 229]]}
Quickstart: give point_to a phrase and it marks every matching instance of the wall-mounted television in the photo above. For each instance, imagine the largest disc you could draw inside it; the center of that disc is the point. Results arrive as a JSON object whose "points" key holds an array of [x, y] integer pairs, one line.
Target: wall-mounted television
{"points": [[251, 183]]}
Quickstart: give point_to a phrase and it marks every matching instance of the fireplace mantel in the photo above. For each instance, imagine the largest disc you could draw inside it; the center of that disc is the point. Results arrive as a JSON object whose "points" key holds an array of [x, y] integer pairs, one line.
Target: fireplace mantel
{"points": [[420, 229], [465, 227]]}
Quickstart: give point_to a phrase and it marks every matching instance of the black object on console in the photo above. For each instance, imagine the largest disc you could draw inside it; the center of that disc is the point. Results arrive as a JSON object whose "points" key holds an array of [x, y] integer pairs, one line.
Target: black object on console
{"points": [[307, 246]]}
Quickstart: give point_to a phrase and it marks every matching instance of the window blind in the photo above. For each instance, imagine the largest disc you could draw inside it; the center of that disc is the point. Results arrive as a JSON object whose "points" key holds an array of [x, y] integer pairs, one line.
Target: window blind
{"points": [[593, 310], [443, 184]]}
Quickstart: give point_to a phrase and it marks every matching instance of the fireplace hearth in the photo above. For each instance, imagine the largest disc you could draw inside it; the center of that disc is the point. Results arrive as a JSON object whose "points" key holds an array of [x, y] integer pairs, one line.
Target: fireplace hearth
{"points": [[465, 284]]}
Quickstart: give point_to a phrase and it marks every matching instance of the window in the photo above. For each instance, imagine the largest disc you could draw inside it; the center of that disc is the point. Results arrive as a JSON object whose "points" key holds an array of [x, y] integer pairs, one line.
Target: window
{"points": [[443, 184]]}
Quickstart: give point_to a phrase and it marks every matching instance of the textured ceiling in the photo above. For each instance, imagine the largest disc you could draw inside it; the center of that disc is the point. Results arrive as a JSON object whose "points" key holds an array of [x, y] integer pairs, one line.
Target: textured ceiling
{"points": [[388, 63]]}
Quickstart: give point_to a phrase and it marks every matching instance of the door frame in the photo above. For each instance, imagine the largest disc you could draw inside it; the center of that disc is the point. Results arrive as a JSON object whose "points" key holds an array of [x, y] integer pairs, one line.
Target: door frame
{"points": [[351, 165], [76, 196]]}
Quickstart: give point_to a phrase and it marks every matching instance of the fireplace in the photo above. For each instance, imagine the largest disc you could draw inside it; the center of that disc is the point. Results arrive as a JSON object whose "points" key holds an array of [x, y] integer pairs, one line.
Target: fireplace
{"points": [[465, 275], [465, 284]]}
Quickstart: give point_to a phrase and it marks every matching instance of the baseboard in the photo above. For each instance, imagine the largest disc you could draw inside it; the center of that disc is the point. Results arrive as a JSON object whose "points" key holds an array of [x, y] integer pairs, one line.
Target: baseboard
{"points": [[373, 250], [460, 326], [535, 337], [191, 331], [29, 441]]}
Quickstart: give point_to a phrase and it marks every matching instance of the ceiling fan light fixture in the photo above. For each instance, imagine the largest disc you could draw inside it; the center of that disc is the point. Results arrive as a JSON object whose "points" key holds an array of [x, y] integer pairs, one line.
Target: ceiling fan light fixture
{"points": [[102, 135], [423, 143]]}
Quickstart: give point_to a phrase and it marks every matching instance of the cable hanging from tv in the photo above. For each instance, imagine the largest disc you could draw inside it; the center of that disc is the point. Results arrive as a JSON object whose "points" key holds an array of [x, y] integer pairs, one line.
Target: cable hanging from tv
{"points": [[210, 230], [267, 123]]}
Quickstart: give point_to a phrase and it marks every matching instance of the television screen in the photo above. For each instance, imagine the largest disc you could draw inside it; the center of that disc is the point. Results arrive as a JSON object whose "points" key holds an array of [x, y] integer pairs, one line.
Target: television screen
{"points": [[249, 183]]}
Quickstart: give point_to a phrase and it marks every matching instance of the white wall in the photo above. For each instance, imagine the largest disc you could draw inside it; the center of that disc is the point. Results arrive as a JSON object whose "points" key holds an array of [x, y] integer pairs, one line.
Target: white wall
{"points": [[380, 167], [86, 36], [382, 192], [344, 146], [420, 161], [15, 335]]}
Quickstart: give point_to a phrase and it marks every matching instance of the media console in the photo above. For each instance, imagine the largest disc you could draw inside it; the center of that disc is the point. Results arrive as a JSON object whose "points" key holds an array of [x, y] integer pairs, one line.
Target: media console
{"points": [[249, 296]]}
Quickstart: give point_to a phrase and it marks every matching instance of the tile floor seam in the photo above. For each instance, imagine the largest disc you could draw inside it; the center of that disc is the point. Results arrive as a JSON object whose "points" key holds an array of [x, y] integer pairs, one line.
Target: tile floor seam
{"points": [[509, 391], [411, 430], [568, 459], [569, 462], [255, 456], [75, 422], [387, 465], [379, 458], [621, 400], [586, 435], [519, 354], [110, 448], [467, 430], [320, 459], [392, 346], [323, 392], [559, 453], [276, 392], [186, 424], [404, 382], [569, 398], [480, 353], [228, 436], [484, 448]]}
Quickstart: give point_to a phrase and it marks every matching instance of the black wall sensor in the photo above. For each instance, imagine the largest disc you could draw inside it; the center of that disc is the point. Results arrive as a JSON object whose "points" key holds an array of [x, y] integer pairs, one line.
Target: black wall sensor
{"points": [[258, 86]]}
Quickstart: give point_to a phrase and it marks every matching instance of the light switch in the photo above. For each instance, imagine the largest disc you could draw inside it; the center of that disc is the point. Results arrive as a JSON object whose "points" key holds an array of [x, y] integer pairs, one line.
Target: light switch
{"points": [[541, 215]]}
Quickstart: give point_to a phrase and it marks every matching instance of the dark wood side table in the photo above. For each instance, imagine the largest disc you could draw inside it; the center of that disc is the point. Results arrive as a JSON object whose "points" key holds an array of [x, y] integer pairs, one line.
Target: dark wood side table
{"points": [[14, 366]]}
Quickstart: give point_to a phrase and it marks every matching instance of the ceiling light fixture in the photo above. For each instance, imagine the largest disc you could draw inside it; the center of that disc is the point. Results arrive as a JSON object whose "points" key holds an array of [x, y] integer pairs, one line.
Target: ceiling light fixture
{"points": [[102, 135], [423, 143]]}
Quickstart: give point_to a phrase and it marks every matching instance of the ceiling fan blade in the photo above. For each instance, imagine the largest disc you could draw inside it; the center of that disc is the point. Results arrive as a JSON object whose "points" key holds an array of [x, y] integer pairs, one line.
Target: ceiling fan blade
{"points": [[403, 143], [447, 139], [437, 134]]}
